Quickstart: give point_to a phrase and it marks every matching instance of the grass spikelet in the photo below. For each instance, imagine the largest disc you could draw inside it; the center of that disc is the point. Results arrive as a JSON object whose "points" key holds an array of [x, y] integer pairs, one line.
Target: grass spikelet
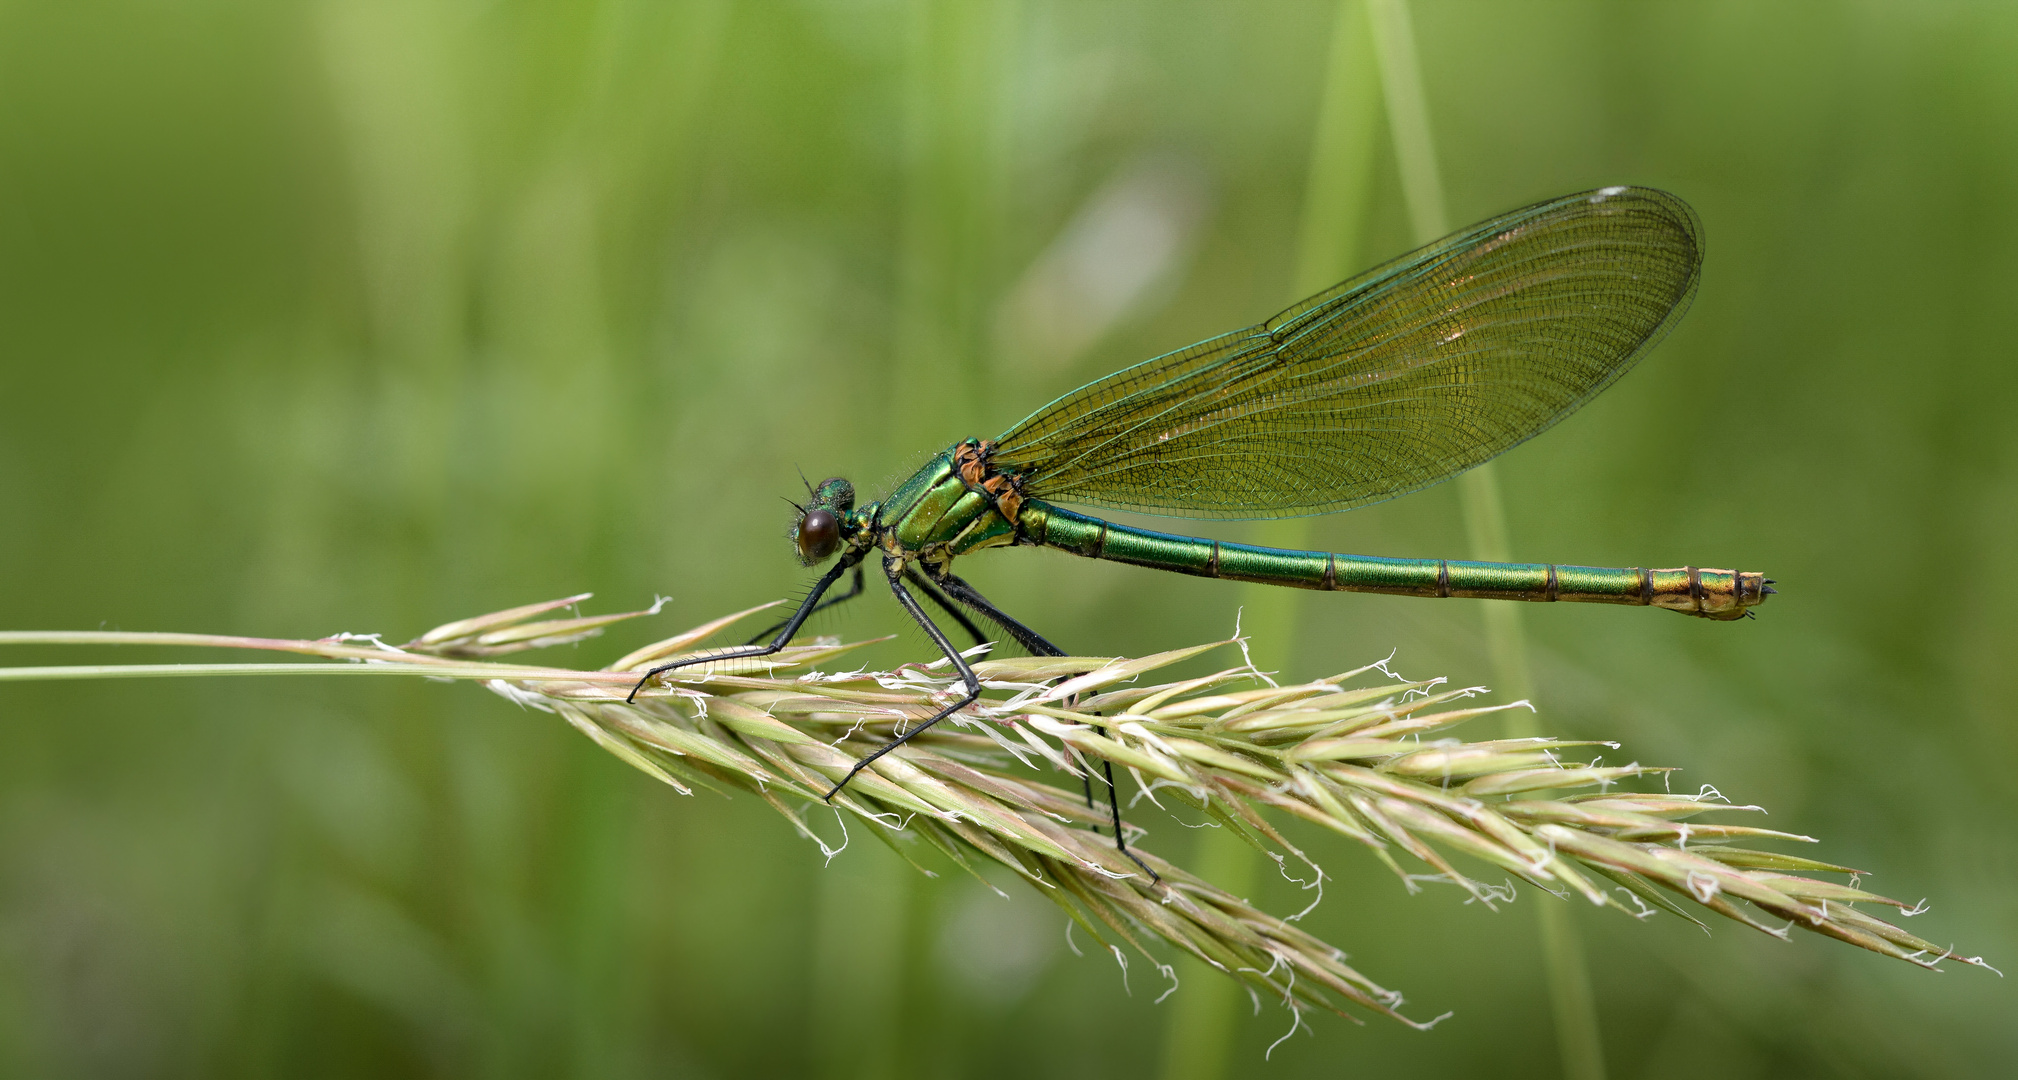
{"points": [[1363, 754]]}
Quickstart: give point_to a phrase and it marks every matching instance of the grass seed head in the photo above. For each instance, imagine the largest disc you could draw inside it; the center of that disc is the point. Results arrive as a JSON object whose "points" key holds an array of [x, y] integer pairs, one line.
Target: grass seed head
{"points": [[1363, 754]]}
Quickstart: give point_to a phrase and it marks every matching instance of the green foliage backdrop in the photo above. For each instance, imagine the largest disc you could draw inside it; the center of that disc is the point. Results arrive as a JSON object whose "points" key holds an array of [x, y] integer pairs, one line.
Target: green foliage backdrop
{"points": [[366, 314]]}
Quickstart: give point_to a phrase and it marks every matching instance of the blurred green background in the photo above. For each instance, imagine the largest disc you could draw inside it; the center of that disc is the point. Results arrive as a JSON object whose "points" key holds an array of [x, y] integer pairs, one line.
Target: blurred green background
{"points": [[362, 315]]}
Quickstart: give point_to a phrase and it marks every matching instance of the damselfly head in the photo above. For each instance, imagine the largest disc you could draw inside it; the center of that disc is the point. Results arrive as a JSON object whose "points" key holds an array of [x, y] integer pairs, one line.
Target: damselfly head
{"points": [[817, 533]]}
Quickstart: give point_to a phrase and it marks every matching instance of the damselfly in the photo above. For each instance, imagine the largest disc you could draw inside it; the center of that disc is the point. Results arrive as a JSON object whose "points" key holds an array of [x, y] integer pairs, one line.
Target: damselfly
{"points": [[1395, 380]]}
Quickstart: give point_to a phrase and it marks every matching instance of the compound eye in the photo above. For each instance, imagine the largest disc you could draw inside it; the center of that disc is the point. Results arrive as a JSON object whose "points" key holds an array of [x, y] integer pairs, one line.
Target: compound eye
{"points": [[819, 535]]}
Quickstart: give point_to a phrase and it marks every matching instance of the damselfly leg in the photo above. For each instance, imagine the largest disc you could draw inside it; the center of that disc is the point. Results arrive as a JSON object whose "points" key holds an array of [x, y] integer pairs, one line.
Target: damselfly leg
{"points": [[960, 590], [854, 590], [894, 572], [785, 633]]}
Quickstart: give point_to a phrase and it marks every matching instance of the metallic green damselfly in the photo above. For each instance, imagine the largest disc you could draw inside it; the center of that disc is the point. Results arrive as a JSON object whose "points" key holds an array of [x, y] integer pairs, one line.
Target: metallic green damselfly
{"points": [[1397, 379]]}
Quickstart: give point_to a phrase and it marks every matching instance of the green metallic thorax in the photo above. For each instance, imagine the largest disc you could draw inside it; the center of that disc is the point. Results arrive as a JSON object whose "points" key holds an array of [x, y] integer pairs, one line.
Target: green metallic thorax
{"points": [[934, 516]]}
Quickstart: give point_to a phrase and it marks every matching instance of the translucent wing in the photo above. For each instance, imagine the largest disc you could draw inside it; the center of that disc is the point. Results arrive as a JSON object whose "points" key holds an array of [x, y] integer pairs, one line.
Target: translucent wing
{"points": [[1398, 379]]}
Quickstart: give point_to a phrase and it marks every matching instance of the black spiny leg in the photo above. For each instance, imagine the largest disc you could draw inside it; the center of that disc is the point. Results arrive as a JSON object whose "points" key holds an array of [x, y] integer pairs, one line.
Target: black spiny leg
{"points": [[957, 588], [926, 586], [854, 590], [1031, 640], [894, 571], [784, 638], [1023, 635]]}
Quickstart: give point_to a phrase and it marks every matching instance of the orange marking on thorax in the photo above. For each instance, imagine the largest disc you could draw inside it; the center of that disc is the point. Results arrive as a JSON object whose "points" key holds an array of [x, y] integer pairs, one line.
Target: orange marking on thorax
{"points": [[971, 462]]}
